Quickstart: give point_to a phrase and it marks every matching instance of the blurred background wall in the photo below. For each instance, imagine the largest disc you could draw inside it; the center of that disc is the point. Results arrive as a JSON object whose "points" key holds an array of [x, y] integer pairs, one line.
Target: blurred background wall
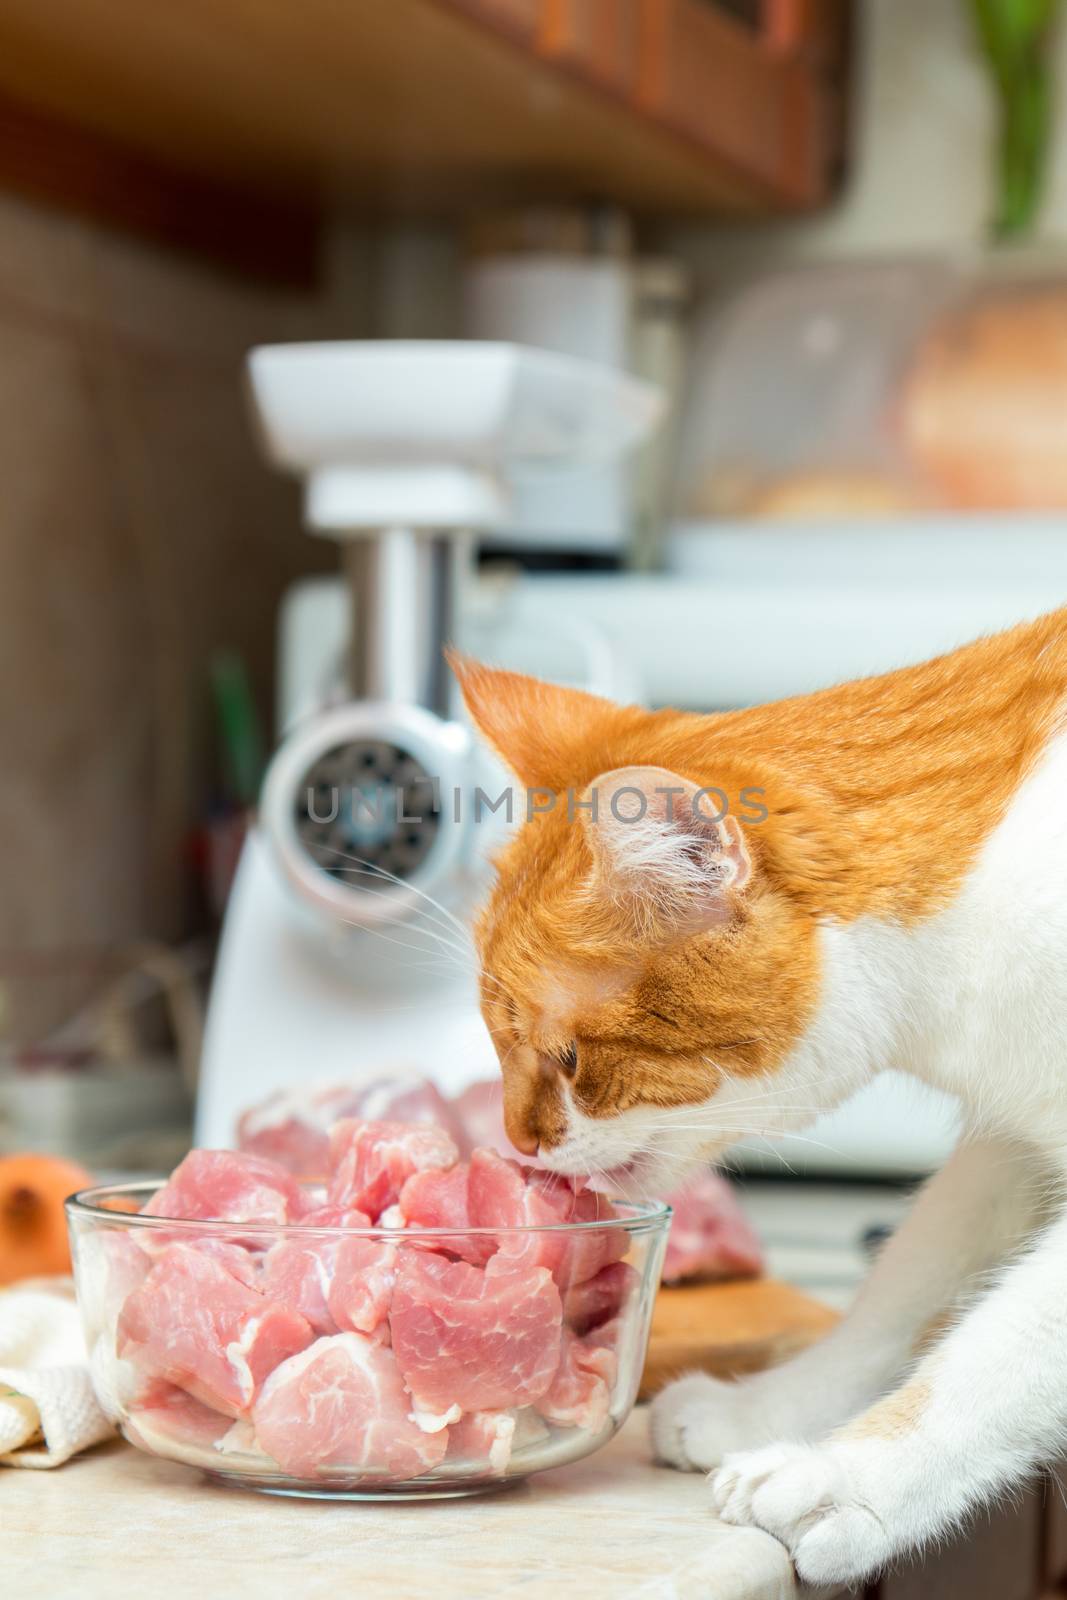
{"points": [[139, 533]]}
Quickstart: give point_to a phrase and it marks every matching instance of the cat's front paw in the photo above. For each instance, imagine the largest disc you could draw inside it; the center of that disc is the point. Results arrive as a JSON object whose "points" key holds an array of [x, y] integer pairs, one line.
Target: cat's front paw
{"points": [[819, 1500], [697, 1420]]}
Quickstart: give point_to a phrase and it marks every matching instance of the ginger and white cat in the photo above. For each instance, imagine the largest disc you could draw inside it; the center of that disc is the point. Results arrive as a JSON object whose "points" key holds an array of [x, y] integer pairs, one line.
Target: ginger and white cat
{"points": [[661, 979]]}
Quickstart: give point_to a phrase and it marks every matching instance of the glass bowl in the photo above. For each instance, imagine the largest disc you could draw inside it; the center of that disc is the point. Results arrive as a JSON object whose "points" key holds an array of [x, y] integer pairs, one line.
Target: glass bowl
{"points": [[364, 1363]]}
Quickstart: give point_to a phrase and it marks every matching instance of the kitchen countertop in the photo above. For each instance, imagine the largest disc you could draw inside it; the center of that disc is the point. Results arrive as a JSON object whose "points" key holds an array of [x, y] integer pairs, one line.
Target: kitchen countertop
{"points": [[117, 1523]]}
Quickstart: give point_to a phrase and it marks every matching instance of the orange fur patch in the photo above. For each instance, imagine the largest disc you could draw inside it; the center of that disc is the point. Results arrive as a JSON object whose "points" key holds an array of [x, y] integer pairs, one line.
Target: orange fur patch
{"points": [[898, 1414]]}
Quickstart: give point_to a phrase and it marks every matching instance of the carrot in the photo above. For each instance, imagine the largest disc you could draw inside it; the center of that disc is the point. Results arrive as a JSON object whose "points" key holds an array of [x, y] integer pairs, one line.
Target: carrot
{"points": [[33, 1228]]}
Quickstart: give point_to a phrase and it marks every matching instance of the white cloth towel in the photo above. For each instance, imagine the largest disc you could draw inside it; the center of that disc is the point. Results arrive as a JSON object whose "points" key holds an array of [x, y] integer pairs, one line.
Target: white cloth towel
{"points": [[48, 1411]]}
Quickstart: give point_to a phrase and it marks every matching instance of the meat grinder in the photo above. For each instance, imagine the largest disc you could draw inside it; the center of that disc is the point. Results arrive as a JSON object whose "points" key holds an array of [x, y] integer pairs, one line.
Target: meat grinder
{"points": [[344, 951]]}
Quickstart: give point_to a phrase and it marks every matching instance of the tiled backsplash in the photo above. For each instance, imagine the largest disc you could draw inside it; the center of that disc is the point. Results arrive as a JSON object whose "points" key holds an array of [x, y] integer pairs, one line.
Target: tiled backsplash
{"points": [[138, 532]]}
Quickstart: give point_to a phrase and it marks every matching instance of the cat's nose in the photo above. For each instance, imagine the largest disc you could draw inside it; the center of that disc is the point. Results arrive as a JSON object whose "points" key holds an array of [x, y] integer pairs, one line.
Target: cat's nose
{"points": [[522, 1136], [524, 1103]]}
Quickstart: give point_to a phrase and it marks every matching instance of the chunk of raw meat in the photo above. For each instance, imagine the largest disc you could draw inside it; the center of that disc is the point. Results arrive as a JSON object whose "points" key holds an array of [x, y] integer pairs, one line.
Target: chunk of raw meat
{"points": [[178, 1427], [341, 1405], [480, 1113], [503, 1194], [473, 1339], [710, 1235], [435, 1199], [225, 1185], [293, 1126], [587, 1305], [300, 1269], [110, 1265], [371, 1161], [168, 1421], [483, 1438], [411, 1100], [196, 1325], [362, 1287], [238, 1260], [580, 1395]]}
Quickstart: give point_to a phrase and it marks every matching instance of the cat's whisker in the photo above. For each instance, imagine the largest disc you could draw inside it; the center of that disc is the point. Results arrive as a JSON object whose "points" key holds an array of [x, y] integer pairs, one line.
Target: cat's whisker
{"points": [[488, 977], [732, 1105], [747, 1132], [459, 960], [437, 965], [734, 1115], [781, 1159], [754, 1087], [425, 927], [376, 870], [443, 915]]}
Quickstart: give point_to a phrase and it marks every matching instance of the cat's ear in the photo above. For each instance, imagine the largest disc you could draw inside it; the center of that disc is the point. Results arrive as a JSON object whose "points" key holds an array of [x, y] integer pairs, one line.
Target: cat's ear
{"points": [[666, 848], [538, 730]]}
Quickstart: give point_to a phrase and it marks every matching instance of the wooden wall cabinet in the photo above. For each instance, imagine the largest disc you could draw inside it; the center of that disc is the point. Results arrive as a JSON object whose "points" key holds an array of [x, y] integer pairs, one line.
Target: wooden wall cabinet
{"points": [[431, 107], [757, 85]]}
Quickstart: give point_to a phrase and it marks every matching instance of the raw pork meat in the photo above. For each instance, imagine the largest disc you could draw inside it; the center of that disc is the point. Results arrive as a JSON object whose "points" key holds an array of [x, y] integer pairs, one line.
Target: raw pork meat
{"points": [[599, 1299], [440, 1200], [300, 1270], [348, 1353], [227, 1186], [435, 1199], [479, 1111], [111, 1264], [483, 1436], [371, 1161], [580, 1394], [710, 1235], [168, 1419], [503, 1194], [196, 1325], [362, 1284], [243, 1263], [473, 1340], [341, 1404], [293, 1127]]}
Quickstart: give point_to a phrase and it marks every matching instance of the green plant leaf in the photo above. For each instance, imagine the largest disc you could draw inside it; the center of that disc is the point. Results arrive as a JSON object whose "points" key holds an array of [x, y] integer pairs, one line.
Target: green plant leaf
{"points": [[1015, 35]]}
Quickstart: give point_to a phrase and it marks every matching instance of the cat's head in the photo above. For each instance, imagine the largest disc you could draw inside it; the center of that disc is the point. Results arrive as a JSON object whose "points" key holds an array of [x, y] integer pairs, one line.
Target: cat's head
{"points": [[646, 970]]}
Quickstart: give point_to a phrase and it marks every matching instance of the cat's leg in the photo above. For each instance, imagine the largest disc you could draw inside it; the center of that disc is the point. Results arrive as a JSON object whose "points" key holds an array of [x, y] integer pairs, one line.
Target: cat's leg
{"points": [[987, 1404], [976, 1209]]}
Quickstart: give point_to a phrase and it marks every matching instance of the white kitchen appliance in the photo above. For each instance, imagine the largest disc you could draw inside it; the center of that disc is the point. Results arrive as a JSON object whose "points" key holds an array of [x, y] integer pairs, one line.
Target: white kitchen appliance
{"points": [[604, 305], [344, 952]]}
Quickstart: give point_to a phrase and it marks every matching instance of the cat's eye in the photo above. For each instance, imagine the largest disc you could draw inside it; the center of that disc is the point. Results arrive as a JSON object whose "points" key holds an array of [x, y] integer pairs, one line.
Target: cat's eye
{"points": [[568, 1059]]}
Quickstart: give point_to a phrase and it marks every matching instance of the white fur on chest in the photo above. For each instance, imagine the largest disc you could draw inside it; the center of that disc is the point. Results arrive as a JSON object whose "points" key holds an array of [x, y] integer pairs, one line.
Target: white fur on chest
{"points": [[973, 1001]]}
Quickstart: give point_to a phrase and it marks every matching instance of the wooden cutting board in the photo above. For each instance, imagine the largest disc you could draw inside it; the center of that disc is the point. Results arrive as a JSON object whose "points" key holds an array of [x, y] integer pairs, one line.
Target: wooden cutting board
{"points": [[729, 1328]]}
